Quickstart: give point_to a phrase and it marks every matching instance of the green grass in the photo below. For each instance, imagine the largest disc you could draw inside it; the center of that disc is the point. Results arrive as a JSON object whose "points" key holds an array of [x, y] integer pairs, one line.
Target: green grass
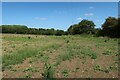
{"points": [[71, 53], [16, 58]]}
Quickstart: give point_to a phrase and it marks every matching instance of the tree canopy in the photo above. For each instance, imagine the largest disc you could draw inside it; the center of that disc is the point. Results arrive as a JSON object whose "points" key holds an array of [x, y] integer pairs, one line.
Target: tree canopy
{"points": [[85, 26], [110, 27]]}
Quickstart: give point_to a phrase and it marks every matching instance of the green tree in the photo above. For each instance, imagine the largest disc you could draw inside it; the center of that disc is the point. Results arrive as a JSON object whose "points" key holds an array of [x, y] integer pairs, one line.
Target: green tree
{"points": [[74, 29], [110, 27], [85, 26], [20, 29], [59, 32]]}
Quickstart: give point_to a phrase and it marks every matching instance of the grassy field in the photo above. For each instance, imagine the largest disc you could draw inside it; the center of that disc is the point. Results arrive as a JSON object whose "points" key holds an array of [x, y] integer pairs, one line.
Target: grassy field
{"points": [[37, 56]]}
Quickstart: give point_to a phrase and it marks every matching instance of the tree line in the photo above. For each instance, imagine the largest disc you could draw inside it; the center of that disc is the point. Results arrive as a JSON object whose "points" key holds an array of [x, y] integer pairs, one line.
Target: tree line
{"points": [[22, 29], [109, 28]]}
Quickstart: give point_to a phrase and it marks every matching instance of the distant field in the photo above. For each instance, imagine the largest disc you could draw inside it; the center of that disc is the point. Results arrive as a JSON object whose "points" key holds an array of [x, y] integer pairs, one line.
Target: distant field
{"points": [[37, 56]]}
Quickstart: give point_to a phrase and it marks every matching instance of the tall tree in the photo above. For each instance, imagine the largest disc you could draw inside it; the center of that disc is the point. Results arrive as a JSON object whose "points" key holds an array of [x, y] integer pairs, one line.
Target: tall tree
{"points": [[85, 26], [110, 27]]}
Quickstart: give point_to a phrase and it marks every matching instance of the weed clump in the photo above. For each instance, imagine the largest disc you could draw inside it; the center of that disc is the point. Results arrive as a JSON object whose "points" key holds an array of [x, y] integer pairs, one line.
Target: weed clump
{"points": [[65, 73], [67, 41], [105, 41], [28, 76], [30, 69], [48, 71], [108, 52], [97, 67], [29, 37], [93, 56]]}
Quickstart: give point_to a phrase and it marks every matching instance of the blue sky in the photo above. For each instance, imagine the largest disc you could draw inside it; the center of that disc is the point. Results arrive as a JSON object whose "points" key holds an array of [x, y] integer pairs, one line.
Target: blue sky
{"points": [[58, 15]]}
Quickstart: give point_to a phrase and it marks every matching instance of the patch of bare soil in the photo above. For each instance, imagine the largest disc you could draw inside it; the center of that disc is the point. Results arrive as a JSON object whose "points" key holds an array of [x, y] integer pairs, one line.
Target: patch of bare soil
{"points": [[34, 70], [79, 68]]}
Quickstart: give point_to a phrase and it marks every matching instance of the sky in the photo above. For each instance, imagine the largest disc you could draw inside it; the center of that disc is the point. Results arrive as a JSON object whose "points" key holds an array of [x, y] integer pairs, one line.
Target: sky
{"points": [[58, 15]]}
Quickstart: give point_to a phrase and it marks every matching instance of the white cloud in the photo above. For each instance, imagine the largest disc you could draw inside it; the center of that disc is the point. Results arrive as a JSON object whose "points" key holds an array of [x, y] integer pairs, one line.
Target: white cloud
{"points": [[79, 18], [40, 18], [88, 14], [91, 7]]}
